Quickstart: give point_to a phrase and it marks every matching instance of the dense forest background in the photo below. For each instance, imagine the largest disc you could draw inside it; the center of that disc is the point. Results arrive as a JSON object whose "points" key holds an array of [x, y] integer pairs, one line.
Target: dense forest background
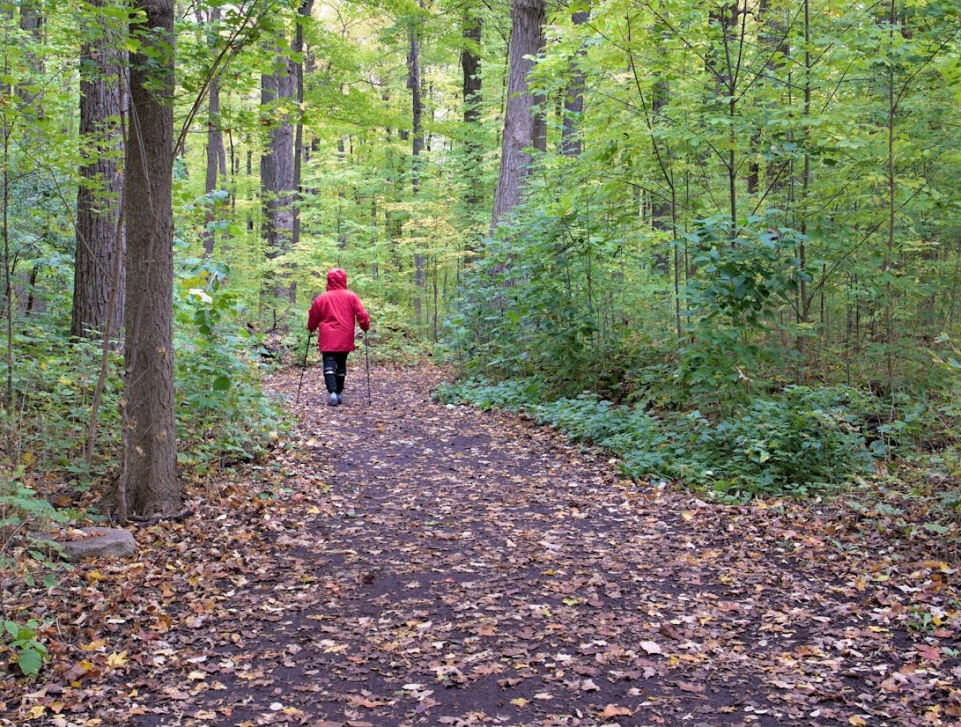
{"points": [[721, 239]]}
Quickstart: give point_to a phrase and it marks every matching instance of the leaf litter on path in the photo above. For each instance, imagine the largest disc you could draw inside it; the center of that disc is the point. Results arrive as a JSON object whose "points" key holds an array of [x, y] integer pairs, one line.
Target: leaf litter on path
{"points": [[412, 563]]}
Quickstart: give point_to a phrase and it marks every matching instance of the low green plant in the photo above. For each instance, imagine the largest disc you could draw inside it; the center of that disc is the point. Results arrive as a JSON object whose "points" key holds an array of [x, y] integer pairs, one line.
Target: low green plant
{"points": [[54, 397], [24, 640], [802, 441], [511, 394], [21, 509], [391, 338], [223, 414]]}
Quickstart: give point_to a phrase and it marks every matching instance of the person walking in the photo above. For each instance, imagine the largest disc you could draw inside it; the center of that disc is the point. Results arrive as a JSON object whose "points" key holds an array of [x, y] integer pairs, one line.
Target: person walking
{"points": [[334, 313]]}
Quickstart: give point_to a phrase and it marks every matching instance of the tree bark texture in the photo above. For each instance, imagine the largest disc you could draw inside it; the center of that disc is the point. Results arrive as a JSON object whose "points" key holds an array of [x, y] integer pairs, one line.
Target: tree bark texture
{"points": [[527, 20], [31, 21], [277, 164], [149, 480], [98, 198], [574, 100], [216, 160], [416, 108], [414, 83], [470, 63]]}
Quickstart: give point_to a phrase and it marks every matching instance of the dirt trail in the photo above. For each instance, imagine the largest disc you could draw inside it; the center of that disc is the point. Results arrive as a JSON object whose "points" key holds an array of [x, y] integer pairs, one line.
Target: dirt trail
{"points": [[477, 569], [415, 563]]}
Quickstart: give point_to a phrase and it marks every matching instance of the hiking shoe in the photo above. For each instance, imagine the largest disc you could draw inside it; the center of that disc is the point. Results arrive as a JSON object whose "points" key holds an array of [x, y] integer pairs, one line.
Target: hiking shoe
{"points": [[333, 399], [340, 398]]}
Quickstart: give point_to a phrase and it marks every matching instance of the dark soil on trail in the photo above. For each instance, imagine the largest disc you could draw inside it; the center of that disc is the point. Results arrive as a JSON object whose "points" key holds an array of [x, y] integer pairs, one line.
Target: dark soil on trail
{"points": [[406, 562]]}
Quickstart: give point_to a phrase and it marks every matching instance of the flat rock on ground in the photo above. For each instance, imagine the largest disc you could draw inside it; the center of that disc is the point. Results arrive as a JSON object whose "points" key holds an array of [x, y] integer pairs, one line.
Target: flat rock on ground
{"points": [[99, 543], [413, 563]]}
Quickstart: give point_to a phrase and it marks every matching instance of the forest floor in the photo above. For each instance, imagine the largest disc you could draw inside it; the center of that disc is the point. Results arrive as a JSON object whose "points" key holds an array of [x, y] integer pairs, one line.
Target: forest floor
{"points": [[406, 563]]}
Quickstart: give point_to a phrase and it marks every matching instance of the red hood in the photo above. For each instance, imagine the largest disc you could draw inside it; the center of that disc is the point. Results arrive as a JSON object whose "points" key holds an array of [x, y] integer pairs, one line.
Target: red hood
{"points": [[336, 279]]}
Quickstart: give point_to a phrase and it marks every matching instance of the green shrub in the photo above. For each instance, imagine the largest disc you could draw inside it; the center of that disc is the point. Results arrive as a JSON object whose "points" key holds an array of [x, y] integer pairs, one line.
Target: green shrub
{"points": [[24, 640], [511, 394], [804, 440], [23, 511], [54, 398], [223, 413]]}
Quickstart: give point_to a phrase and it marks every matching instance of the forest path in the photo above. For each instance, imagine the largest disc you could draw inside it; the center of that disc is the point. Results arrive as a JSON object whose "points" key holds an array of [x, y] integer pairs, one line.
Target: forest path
{"points": [[410, 563], [473, 568]]}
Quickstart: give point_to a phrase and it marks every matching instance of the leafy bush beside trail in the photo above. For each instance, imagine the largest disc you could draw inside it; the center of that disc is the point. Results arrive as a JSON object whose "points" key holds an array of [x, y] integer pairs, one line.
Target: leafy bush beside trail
{"points": [[802, 441]]}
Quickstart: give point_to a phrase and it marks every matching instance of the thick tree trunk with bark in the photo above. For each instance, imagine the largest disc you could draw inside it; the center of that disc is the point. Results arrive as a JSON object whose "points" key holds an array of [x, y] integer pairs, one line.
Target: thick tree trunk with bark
{"points": [[520, 129], [99, 241], [149, 483]]}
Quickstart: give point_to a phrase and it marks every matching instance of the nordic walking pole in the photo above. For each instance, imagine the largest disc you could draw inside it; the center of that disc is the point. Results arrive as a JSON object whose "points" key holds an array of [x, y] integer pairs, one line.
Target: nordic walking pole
{"points": [[303, 366], [367, 361]]}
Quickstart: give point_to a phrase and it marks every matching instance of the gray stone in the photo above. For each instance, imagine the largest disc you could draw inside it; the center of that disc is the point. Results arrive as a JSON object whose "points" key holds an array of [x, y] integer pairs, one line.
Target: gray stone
{"points": [[101, 543]]}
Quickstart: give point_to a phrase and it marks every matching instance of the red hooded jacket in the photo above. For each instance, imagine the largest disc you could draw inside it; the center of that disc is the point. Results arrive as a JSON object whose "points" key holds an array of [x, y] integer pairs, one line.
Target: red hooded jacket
{"points": [[334, 312]]}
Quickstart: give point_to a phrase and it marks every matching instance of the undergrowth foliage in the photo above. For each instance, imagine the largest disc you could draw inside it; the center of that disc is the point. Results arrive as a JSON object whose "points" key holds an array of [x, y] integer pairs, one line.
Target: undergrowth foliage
{"points": [[560, 319], [53, 399], [223, 416], [804, 442], [22, 511], [223, 413], [562, 302]]}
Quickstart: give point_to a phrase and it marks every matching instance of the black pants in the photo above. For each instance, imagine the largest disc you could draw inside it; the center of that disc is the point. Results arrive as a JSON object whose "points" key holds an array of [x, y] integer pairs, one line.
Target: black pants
{"points": [[335, 371]]}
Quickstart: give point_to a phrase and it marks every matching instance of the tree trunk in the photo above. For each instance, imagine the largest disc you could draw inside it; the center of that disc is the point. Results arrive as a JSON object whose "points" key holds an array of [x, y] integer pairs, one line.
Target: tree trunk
{"points": [[149, 482], [277, 171], [805, 173], [574, 100], [98, 198], [891, 335], [415, 84], [470, 63], [306, 9], [527, 20], [216, 153], [774, 43], [31, 21], [416, 108], [723, 64]]}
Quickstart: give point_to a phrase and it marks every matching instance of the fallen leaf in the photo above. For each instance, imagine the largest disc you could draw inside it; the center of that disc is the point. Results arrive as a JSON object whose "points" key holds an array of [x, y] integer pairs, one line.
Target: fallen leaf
{"points": [[928, 652], [361, 701], [612, 711], [651, 647], [670, 631]]}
